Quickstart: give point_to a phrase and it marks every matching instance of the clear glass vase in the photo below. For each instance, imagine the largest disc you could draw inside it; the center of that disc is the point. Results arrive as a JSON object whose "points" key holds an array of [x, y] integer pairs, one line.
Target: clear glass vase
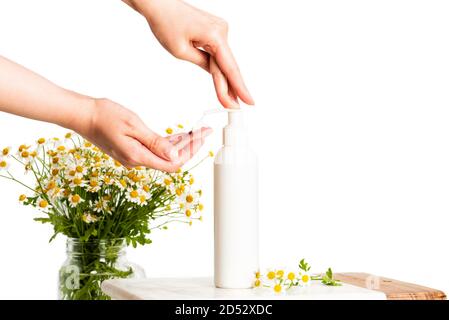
{"points": [[91, 262]]}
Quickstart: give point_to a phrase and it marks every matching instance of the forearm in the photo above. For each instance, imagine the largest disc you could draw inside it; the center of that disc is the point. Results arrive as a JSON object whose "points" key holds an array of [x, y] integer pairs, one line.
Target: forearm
{"points": [[25, 93]]}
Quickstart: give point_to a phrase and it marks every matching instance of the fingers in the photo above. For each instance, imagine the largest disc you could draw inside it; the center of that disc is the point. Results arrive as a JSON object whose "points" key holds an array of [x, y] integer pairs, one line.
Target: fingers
{"points": [[182, 148], [225, 93], [183, 139], [190, 149], [158, 145], [198, 57], [227, 64]]}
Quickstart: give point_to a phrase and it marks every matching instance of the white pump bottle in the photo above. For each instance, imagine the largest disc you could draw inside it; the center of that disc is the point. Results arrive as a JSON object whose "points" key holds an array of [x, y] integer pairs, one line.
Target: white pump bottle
{"points": [[235, 207]]}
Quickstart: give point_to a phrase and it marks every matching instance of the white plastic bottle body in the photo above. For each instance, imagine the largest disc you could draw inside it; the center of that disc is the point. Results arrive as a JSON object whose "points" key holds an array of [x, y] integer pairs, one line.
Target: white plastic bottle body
{"points": [[235, 218]]}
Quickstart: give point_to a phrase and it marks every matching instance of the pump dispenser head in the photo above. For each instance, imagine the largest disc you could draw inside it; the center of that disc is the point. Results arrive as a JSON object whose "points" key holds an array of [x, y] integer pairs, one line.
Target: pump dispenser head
{"points": [[235, 132]]}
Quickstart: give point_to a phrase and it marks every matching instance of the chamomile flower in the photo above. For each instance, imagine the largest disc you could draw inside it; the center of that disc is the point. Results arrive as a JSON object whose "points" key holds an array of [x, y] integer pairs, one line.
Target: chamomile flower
{"points": [[4, 165], [41, 142], [77, 182], [22, 198], [277, 288], [132, 195], [68, 136], [94, 185], [5, 152], [121, 184], [75, 199], [42, 203], [142, 200], [89, 218], [100, 205], [304, 278], [108, 180], [55, 193]]}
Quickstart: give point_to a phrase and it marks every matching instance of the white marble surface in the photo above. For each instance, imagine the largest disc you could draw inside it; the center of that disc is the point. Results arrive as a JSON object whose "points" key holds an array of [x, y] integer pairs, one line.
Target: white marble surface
{"points": [[203, 289]]}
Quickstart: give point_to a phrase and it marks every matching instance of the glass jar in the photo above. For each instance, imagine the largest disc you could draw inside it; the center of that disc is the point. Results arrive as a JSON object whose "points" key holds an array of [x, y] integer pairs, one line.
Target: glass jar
{"points": [[91, 262]]}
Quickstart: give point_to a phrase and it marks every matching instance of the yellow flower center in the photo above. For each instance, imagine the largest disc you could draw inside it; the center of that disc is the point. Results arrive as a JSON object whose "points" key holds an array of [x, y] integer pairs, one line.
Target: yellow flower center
{"points": [[169, 130], [271, 275], [258, 275], [76, 198], [43, 204], [136, 179], [79, 169], [55, 160], [107, 197], [22, 197], [189, 198], [188, 213], [305, 278], [51, 185], [33, 154], [257, 283], [178, 191], [277, 288], [77, 181], [5, 151], [280, 273], [97, 158], [211, 154], [66, 192], [61, 148], [134, 194], [107, 180], [72, 173], [192, 180], [25, 154], [41, 141], [167, 181], [3, 164], [22, 147], [200, 207], [146, 188], [122, 182], [94, 174], [68, 135], [130, 175], [87, 144], [93, 183], [117, 164], [291, 276], [142, 198]]}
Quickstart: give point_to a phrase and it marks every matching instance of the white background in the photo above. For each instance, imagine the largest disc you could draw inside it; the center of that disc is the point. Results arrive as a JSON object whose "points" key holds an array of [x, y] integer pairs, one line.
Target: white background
{"points": [[351, 126]]}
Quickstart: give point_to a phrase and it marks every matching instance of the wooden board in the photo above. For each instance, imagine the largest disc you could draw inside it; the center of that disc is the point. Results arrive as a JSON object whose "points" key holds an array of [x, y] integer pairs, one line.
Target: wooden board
{"points": [[393, 289]]}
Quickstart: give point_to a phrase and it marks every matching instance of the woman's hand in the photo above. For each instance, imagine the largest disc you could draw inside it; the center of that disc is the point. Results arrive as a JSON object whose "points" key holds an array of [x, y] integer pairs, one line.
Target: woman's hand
{"points": [[122, 134], [199, 37], [115, 129]]}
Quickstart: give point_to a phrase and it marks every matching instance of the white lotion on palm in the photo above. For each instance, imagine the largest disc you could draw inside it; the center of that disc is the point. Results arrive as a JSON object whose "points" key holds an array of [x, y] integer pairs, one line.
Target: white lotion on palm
{"points": [[235, 207]]}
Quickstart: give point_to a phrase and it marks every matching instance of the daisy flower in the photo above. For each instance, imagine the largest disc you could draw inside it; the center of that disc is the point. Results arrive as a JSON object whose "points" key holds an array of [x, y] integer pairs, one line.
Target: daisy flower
{"points": [[89, 218], [74, 200], [132, 195], [100, 205], [42, 203], [77, 182], [94, 185], [304, 278], [5, 152], [4, 165]]}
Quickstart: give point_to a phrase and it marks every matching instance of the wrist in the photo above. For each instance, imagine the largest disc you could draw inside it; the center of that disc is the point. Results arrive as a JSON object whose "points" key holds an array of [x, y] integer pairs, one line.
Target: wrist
{"points": [[80, 115], [146, 7]]}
